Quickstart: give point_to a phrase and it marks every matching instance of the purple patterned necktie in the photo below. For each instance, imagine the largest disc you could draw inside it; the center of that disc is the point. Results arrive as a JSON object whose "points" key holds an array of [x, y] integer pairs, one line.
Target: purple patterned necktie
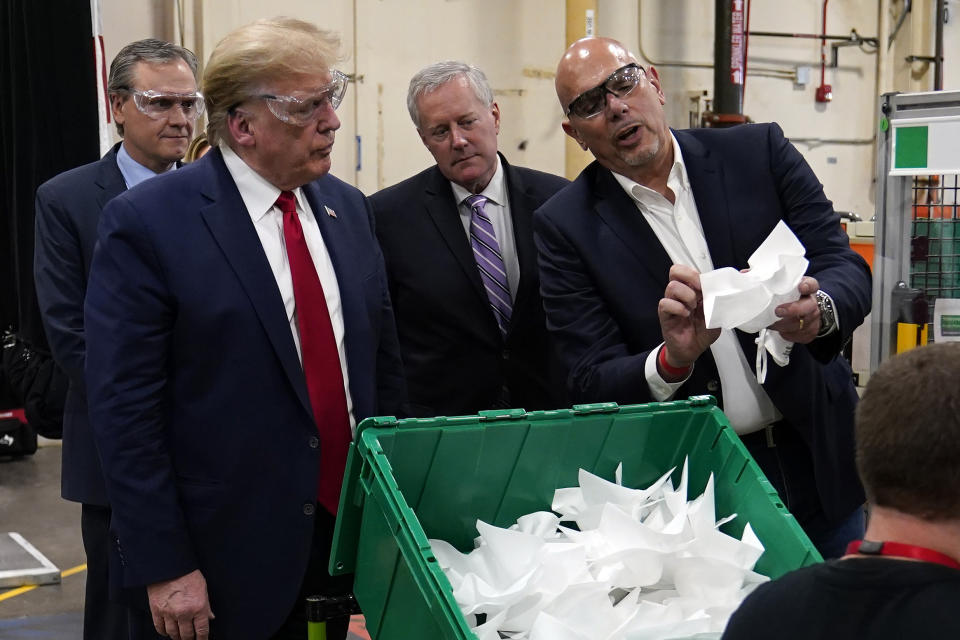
{"points": [[486, 251]]}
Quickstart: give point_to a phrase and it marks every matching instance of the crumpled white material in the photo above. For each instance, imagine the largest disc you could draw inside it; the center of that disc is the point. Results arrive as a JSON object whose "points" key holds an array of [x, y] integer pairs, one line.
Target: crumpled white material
{"points": [[747, 300], [644, 564]]}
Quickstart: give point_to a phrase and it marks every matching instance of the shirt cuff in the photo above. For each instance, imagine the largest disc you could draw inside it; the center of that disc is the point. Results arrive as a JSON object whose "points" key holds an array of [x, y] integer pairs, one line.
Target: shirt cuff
{"points": [[660, 389]]}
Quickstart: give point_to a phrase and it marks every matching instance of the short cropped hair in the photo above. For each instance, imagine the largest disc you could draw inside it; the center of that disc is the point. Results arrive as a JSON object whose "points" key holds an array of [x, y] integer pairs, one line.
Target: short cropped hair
{"points": [[908, 433], [151, 51], [438, 74], [253, 55]]}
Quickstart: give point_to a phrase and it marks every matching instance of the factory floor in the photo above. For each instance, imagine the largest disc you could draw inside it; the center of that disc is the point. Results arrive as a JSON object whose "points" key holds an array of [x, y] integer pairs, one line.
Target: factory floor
{"points": [[30, 505]]}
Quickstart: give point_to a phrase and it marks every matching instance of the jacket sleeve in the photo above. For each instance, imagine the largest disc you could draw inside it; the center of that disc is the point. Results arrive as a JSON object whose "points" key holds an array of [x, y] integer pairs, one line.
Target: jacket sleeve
{"points": [[391, 383], [129, 317], [60, 279], [589, 343], [839, 270]]}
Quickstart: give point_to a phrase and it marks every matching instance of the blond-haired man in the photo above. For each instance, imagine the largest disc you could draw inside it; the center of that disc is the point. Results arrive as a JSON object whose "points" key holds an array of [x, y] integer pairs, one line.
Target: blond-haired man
{"points": [[239, 327]]}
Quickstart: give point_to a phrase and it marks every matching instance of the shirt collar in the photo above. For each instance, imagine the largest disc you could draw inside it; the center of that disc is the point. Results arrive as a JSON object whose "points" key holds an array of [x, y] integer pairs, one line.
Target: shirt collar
{"points": [[495, 191], [132, 171], [677, 179], [259, 196]]}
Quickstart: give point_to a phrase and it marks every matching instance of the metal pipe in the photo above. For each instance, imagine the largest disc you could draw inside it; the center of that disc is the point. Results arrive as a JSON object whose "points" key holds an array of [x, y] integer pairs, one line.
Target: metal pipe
{"points": [[938, 53], [727, 87]]}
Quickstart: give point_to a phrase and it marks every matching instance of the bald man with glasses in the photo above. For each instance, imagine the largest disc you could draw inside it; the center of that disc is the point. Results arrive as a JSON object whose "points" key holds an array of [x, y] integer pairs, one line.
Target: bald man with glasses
{"points": [[240, 328], [621, 250], [155, 104]]}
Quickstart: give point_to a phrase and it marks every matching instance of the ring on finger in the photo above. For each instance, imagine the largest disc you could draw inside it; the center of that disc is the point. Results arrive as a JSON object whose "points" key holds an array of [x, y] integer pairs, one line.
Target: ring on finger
{"points": [[801, 323]]}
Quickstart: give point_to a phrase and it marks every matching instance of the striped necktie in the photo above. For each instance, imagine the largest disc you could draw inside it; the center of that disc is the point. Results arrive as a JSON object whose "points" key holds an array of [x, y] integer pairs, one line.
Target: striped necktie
{"points": [[486, 251]]}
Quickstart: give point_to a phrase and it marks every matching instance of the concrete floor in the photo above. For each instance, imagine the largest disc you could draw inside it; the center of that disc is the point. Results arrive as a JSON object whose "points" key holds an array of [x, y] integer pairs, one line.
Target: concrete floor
{"points": [[30, 505]]}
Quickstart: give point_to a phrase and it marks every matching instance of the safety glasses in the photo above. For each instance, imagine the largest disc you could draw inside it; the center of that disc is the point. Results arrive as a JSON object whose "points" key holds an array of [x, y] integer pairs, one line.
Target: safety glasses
{"points": [[620, 83], [302, 110], [158, 105]]}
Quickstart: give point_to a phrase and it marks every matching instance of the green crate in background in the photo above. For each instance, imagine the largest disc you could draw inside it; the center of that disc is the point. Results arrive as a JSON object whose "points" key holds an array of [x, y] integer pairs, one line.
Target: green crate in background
{"points": [[411, 480]]}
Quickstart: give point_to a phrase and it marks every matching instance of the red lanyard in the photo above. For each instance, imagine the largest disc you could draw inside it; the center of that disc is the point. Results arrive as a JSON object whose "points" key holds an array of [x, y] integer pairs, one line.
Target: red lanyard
{"points": [[900, 550]]}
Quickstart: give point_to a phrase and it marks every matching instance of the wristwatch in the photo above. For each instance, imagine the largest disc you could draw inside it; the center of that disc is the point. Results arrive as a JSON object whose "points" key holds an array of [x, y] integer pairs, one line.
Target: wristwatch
{"points": [[828, 317]]}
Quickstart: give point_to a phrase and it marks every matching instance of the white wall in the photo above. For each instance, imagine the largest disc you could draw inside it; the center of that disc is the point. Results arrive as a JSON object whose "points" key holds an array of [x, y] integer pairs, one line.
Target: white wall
{"points": [[518, 43]]}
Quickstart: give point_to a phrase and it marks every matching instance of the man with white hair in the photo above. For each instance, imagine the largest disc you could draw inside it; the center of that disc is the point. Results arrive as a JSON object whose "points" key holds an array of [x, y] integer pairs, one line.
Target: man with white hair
{"points": [[458, 243]]}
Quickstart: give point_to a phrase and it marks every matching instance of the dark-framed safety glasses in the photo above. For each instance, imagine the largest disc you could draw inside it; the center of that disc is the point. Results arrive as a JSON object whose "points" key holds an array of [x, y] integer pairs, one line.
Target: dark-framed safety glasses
{"points": [[620, 83]]}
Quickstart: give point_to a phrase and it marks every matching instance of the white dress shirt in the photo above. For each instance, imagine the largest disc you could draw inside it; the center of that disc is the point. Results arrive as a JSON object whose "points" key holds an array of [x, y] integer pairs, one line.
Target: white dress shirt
{"points": [[678, 227], [260, 198], [498, 210]]}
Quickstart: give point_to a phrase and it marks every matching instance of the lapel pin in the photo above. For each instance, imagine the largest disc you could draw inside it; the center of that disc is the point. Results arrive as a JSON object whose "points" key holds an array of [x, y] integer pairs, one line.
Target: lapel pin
{"points": [[330, 212]]}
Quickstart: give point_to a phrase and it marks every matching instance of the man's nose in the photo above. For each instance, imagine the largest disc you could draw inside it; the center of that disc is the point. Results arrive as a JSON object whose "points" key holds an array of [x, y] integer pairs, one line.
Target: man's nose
{"points": [[457, 138], [329, 121], [177, 115], [615, 104]]}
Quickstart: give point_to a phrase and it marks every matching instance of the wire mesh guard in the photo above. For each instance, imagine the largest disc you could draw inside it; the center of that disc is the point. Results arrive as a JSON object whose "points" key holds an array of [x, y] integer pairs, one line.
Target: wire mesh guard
{"points": [[935, 239]]}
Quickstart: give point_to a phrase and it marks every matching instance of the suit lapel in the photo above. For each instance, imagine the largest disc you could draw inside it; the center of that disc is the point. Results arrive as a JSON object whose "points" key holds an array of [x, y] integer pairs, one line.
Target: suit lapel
{"points": [[706, 181], [445, 214], [619, 212], [109, 179], [522, 206], [230, 224]]}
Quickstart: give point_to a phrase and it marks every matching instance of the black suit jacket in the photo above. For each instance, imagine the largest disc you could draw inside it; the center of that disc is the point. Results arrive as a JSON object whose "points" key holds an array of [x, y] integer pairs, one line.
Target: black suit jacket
{"points": [[68, 208], [454, 356], [604, 271]]}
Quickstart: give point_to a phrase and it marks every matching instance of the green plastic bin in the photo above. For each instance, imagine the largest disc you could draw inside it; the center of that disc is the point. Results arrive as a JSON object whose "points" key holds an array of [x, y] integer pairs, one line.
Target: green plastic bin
{"points": [[415, 479]]}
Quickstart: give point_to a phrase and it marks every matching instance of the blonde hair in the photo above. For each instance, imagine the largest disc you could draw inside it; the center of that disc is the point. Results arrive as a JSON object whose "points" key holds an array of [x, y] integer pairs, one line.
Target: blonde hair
{"points": [[256, 53], [198, 147]]}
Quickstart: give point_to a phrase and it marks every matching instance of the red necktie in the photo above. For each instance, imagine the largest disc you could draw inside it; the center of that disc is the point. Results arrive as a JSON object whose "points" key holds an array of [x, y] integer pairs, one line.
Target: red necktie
{"points": [[321, 361]]}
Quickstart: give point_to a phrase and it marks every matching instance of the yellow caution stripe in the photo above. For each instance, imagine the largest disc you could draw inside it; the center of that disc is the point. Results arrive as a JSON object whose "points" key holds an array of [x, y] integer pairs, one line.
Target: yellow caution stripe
{"points": [[6, 595]]}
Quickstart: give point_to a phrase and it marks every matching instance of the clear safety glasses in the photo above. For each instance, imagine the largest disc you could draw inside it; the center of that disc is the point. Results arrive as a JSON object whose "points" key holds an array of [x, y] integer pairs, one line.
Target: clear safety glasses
{"points": [[304, 109], [157, 105], [620, 83]]}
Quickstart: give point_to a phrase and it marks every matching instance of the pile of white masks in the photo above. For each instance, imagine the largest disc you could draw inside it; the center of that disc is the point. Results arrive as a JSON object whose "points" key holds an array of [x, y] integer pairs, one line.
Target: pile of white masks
{"points": [[640, 564]]}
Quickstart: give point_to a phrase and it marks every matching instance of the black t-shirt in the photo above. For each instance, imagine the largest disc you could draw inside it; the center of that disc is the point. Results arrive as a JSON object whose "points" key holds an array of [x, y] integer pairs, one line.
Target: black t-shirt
{"points": [[875, 598]]}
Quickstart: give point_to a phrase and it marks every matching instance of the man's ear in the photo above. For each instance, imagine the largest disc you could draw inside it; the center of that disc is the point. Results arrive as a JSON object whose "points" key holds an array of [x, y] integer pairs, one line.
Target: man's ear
{"points": [[495, 111], [570, 131], [654, 78], [116, 108], [242, 128], [423, 139]]}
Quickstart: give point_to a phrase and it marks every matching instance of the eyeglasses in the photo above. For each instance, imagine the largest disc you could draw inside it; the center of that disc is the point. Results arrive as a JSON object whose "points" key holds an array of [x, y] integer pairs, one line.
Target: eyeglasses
{"points": [[302, 111], [157, 105], [620, 83]]}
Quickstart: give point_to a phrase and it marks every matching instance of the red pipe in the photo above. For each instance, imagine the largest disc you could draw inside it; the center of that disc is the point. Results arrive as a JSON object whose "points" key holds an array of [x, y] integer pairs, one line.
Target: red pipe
{"points": [[823, 46], [746, 44]]}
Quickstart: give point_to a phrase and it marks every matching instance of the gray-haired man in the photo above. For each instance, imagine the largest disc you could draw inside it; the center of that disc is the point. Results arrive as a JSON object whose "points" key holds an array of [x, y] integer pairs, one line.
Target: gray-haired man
{"points": [[458, 244], [154, 102]]}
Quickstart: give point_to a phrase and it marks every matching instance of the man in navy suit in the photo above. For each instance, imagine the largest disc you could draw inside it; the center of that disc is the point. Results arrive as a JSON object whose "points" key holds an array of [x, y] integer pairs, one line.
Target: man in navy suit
{"points": [[154, 102], [239, 327], [472, 332], [621, 251]]}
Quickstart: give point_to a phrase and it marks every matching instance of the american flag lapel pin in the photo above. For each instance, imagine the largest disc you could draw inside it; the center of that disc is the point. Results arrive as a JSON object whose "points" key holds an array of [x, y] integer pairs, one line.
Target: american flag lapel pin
{"points": [[330, 212]]}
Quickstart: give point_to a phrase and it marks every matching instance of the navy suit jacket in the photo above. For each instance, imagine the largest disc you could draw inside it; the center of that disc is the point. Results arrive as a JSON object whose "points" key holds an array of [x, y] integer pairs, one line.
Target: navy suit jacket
{"points": [[68, 208], [456, 360], [197, 395], [603, 272]]}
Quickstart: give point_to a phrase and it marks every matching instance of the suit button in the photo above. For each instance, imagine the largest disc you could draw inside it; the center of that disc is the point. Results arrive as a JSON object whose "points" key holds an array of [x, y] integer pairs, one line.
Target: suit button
{"points": [[712, 386], [314, 442], [308, 509], [505, 354]]}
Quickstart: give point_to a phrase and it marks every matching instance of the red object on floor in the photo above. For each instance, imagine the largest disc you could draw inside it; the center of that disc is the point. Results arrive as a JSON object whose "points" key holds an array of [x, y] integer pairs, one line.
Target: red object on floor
{"points": [[358, 629]]}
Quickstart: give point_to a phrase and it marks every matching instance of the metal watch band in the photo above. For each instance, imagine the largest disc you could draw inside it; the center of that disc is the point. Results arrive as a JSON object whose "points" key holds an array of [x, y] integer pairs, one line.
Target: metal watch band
{"points": [[828, 317]]}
